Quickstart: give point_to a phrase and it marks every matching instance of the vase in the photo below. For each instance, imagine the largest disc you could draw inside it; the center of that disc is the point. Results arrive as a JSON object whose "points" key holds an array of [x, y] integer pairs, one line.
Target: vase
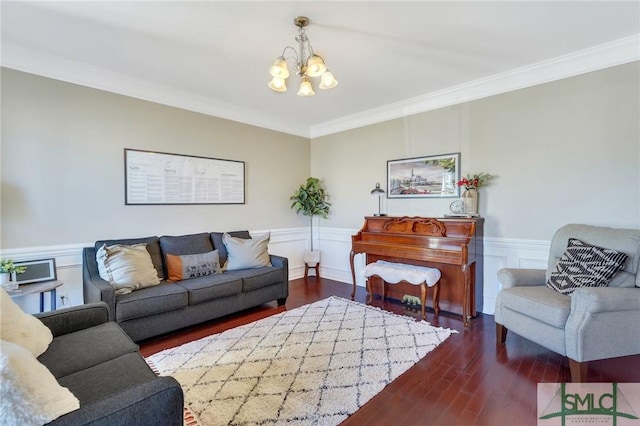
{"points": [[311, 257], [470, 198], [6, 283]]}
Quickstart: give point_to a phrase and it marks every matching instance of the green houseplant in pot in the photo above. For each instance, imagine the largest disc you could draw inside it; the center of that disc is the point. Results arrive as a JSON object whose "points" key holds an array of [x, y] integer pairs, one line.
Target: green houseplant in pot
{"points": [[310, 199], [7, 267]]}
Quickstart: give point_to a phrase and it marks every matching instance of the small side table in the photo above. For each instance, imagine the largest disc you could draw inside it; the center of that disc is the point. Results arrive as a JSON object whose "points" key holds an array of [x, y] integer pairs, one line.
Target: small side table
{"points": [[42, 288], [307, 267]]}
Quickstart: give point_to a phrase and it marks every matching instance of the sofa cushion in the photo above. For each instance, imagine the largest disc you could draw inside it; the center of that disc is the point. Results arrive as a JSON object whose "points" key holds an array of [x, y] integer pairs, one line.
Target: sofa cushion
{"points": [[584, 265], [126, 268], [151, 300], [153, 247], [101, 381], [211, 287], [243, 253], [192, 265], [184, 244], [257, 278], [21, 328], [82, 349], [216, 240], [539, 302], [29, 394]]}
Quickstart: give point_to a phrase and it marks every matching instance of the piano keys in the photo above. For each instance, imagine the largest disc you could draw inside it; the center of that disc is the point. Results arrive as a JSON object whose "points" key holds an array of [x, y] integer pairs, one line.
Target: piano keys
{"points": [[453, 245]]}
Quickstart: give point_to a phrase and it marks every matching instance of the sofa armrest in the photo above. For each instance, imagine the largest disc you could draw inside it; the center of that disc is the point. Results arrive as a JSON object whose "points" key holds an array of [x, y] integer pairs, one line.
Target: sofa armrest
{"points": [[159, 402], [94, 288], [281, 262], [512, 277], [69, 320]]}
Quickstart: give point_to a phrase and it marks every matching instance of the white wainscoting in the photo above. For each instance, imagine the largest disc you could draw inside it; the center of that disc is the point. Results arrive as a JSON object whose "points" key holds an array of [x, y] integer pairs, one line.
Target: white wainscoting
{"points": [[499, 253], [335, 244], [284, 242]]}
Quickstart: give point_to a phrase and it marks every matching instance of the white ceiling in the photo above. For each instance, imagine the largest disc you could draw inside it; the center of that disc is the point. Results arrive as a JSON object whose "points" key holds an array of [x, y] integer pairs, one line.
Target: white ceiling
{"points": [[391, 58]]}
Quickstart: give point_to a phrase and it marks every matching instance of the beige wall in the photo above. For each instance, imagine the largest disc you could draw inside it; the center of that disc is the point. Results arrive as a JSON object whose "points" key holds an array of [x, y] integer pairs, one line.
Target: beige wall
{"points": [[62, 166], [567, 151]]}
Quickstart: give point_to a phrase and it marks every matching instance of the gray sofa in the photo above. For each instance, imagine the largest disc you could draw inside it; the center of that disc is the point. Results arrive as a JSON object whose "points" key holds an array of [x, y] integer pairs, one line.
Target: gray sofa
{"points": [[101, 366], [166, 307]]}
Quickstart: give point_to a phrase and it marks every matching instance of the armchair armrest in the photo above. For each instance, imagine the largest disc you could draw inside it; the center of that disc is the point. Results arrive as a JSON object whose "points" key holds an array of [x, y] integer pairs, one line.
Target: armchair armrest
{"points": [[159, 402], [69, 320], [605, 299], [603, 323], [512, 277]]}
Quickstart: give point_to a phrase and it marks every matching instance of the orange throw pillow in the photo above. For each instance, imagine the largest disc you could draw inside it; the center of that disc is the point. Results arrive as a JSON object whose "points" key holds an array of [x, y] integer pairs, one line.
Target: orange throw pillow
{"points": [[192, 265]]}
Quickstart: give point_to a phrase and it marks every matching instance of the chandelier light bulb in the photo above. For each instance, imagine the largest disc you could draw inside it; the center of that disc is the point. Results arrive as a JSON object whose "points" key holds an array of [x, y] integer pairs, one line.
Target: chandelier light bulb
{"points": [[315, 66], [278, 84], [305, 88], [328, 81], [279, 68]]}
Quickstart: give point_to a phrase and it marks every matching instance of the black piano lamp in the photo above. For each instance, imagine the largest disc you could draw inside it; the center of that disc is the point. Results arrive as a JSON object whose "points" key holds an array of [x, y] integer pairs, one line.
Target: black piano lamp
{"points": [[378, 192]]}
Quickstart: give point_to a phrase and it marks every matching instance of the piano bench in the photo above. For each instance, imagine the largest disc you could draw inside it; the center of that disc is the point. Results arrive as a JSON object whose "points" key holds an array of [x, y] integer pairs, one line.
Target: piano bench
{"points": [[394, 273]]}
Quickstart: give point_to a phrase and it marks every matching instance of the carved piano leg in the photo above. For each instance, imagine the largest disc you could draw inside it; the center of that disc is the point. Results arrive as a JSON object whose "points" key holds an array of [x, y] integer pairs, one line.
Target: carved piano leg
{"points": [[466, 300]]}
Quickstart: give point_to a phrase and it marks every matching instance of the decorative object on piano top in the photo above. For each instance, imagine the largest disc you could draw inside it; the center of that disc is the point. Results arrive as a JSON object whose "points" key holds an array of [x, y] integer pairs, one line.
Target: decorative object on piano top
{"points": [[311, 200], [471, 184], [378, 192]]}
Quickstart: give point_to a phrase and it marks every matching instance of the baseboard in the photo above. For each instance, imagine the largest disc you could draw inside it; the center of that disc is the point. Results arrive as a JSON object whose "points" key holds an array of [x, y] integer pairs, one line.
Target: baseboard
{"points": [[334, 243]]}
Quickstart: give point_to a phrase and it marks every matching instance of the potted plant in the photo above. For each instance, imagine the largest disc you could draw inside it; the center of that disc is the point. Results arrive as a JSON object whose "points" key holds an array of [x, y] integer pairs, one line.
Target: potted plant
{"points": [[7, 267], [310, 199]]}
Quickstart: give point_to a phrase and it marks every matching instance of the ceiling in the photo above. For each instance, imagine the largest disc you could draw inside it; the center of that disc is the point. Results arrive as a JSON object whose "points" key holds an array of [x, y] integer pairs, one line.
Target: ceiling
{"points": [[391, 58]]}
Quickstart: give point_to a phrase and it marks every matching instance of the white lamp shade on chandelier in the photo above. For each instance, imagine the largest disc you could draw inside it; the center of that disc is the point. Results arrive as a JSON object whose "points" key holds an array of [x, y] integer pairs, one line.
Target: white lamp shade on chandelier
{"points": [[308, 64]]}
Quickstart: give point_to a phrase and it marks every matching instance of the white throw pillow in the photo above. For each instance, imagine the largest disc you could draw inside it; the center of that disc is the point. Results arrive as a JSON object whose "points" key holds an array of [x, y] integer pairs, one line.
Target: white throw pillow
{"points": [[21, 328], [29, 394], [246, 253], [126, 268]]}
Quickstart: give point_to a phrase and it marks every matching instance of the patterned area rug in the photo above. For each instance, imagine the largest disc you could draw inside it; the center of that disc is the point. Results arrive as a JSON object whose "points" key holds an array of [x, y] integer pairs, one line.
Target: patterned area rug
{"points": [[315, 364]]}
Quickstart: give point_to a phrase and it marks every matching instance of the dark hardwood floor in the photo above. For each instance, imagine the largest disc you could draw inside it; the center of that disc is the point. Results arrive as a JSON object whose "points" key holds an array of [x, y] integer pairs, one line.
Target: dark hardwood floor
{"points": [[467, 380]]}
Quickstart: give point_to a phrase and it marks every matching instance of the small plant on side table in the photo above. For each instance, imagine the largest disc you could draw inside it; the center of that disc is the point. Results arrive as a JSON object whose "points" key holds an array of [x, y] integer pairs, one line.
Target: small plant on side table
{"points": [[7, 267]]}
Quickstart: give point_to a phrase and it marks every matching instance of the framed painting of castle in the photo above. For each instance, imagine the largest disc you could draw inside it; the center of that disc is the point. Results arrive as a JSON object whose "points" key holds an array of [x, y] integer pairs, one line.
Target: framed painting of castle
{"points": [[434, 176]]}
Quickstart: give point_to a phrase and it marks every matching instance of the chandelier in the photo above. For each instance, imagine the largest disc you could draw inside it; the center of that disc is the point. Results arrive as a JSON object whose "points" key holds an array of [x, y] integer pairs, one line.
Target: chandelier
{"points": [[307, 63]]}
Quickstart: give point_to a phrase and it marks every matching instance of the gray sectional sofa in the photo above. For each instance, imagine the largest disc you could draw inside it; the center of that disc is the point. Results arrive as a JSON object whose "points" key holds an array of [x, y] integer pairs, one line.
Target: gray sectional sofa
{"points": [[152, 311], [101, 366]]}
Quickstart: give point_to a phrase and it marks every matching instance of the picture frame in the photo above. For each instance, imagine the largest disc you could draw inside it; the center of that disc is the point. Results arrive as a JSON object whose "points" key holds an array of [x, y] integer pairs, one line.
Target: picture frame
{"points": [[433, 176], [161, 178], [37, 271]]}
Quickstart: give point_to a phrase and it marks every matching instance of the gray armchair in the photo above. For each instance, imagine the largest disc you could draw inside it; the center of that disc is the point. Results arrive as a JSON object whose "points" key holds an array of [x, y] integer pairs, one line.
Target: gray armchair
{"points": [[591, 323]]}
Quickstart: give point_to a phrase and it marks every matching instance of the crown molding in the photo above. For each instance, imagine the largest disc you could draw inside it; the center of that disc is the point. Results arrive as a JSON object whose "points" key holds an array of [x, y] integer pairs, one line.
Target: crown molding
{"points": [[599, 57], [35, 62], [606, 55]]}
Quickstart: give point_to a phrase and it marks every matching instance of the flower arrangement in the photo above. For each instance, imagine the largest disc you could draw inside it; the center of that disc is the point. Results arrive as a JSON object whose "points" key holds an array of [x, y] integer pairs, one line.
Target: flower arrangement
{"points": [[8, 267], [475, 181]]}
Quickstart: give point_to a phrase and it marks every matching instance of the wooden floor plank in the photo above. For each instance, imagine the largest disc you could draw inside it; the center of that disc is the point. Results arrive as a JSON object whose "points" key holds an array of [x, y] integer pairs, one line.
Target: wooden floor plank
{"points": [[467, 380]]}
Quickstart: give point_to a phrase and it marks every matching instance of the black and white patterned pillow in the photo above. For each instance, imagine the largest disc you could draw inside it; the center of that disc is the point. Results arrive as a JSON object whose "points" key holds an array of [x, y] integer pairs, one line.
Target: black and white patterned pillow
{"points": [[584, 265]]}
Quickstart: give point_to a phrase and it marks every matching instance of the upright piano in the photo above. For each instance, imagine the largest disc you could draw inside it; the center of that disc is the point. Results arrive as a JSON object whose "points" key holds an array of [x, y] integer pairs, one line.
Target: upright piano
{"points": [[453, 245]]}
